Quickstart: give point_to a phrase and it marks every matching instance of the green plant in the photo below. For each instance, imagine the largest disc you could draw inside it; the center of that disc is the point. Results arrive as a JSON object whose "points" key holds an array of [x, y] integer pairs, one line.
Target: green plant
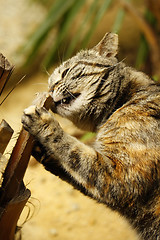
{"points": [[63, 15]]}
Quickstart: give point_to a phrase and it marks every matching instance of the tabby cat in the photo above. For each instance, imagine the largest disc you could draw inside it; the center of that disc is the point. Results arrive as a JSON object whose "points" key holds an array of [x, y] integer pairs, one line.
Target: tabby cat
{"points": [[122, 168]]}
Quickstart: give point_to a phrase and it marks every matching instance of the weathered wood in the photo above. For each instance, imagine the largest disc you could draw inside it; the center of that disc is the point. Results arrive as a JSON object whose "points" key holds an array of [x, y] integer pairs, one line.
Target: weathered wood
{"points": [[3, 164], [18, 161], [16, 167], [6, 133], [6, 70], [13, 194], [11, 213]]}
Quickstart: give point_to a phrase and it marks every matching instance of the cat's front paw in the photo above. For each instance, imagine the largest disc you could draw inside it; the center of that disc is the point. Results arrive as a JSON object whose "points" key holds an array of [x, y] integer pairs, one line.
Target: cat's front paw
{"points": [[36, 120]]}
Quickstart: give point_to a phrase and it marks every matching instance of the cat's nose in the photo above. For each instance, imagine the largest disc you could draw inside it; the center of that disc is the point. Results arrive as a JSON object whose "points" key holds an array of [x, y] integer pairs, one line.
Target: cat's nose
{"points": [[51, 89]]}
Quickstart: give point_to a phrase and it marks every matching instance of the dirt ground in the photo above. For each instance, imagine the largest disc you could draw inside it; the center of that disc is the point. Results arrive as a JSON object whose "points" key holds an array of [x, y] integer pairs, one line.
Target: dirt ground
{"points": [[57, 210]]}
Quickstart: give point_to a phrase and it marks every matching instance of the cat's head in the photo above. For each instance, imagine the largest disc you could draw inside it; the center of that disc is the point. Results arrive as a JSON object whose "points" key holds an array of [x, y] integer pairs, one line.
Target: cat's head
{"points": [[82, 86]]}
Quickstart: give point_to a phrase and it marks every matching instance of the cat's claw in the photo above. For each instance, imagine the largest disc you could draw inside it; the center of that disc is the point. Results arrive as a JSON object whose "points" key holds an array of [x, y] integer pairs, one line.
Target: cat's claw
{"points": [[34, 119], [30, 110], [39, 122], [28, 118]]}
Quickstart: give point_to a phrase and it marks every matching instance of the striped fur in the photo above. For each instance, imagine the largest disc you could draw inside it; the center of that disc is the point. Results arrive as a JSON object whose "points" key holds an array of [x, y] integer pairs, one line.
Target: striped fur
{"points": [[120, 104]]}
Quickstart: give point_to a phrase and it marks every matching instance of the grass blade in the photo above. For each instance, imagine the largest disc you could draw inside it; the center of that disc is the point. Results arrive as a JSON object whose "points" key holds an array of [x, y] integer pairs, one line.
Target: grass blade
{"points": [[57, 10], [101, 11], [119, 21], [143, 50], [79, 33], [64, 29]]}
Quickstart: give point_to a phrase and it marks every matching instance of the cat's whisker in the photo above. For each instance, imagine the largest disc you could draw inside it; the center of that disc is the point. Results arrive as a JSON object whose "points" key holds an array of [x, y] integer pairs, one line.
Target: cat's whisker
{"points": [[120, 62], [12, 89], [33, 84], [59, 57], [70, 93], [48, 73], [45, 70]]}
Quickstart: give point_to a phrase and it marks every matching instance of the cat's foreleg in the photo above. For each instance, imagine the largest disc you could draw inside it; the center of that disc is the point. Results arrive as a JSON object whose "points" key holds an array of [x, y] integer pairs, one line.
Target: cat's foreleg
{"points": [[80, 162]]}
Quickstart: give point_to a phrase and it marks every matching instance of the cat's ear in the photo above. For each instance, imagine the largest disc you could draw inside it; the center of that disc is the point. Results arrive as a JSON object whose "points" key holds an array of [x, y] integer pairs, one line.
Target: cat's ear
{"points": [[108, 46]]}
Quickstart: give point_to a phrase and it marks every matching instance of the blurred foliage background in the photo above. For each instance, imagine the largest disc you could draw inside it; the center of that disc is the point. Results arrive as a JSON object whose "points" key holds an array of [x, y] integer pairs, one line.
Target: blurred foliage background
{"points": [[71, 25]]}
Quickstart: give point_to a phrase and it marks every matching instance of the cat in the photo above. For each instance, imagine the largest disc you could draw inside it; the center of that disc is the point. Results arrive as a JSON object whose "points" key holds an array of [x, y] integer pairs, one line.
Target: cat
{"points": [[122, 106]]}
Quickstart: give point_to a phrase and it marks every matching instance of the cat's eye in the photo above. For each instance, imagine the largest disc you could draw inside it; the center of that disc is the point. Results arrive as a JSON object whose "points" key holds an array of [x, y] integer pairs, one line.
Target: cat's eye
{"points": [[65, 72], [66, 100]]}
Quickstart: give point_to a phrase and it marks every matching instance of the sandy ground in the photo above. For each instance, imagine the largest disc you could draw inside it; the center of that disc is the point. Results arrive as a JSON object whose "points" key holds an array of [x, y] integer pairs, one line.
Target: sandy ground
{"points": [[58, 211]]}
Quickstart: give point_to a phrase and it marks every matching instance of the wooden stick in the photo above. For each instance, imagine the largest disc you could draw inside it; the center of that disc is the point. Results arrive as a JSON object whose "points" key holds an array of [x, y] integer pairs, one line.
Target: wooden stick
{"points": [[18, 162], [6, 133], [10, 214], [13, 194], [6, 70]]}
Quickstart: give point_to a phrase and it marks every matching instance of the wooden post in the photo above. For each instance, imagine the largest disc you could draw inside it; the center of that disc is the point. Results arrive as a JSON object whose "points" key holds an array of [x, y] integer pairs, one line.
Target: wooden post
{"points": [[13, 193], [6, 70], [5, 135]]}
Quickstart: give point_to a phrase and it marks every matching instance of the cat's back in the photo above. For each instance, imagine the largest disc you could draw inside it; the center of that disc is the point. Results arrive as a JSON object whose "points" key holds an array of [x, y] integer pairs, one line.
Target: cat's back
{"points": [[132, 133], [130, 142]]}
